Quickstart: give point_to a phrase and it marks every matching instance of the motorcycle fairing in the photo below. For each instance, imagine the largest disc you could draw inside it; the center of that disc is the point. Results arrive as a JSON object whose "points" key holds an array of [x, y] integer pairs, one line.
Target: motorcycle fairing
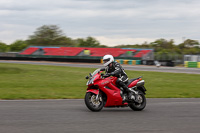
{"points": [[108, 86], [95, 91]]}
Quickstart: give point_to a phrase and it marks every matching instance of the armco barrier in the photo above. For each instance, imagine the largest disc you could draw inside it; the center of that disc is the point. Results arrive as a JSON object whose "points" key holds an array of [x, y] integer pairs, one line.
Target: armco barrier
{"points": [[128, 62], [133, 62], [191, 64], [138, 62], [186, 63], [125, 61], [101, 61], [117, 61], [121, 61]]}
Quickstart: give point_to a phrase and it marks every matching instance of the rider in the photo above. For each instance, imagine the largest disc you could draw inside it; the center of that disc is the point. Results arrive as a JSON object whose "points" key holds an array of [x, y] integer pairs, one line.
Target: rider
{"points": [[113, 68]]}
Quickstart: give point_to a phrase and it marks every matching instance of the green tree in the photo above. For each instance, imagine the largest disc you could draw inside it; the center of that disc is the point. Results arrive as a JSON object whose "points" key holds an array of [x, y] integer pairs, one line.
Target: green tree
{"points": [[3, 47], [164, 44], [18, 45], [48, 35], [191, 43], [182, 46], [88, 42], [187, 44]]}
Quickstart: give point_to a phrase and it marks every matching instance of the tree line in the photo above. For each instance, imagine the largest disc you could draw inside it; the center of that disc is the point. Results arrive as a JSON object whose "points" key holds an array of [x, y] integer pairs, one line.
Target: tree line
{"points": [[52, 35]]}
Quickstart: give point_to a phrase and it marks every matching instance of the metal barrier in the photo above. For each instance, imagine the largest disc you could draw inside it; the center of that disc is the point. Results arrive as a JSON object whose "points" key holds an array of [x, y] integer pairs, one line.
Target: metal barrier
{"points": [[192, 64], [128, 62]]}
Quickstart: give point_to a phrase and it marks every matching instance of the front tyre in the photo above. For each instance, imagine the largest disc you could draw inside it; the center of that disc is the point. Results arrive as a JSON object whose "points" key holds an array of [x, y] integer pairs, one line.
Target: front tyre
{"points": [[141, 102], [92, 102]]}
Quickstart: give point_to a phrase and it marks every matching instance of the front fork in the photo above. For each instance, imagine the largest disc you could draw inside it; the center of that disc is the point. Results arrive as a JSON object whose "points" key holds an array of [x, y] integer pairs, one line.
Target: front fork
{"points": [[95, 91], [97, 96]]}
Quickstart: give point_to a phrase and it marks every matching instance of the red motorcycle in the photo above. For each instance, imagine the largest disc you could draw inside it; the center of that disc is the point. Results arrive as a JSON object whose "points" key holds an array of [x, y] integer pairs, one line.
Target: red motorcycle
{"points": [[102, 92]]}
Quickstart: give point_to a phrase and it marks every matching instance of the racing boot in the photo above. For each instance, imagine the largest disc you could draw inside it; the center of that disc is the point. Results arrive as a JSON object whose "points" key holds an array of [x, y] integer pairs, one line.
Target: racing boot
{"points": [[129, 91], [123, 95], [124, 98]]}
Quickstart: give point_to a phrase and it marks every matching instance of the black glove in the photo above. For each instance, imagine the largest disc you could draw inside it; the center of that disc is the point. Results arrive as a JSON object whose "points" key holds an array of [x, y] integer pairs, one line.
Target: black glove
{"points": [[102, 69], [110, 74]]}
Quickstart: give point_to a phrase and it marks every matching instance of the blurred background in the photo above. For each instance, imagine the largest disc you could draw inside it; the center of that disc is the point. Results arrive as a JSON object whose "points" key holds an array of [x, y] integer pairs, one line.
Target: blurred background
{"points": [[149, 31]]}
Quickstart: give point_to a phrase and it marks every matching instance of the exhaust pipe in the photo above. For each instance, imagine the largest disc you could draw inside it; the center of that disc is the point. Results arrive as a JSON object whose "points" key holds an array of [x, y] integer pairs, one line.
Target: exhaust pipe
{"points": [[140, 83]]}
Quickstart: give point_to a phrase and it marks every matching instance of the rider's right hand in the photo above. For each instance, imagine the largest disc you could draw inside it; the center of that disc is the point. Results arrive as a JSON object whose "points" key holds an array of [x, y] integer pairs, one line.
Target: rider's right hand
{"points": [[102, 69]]}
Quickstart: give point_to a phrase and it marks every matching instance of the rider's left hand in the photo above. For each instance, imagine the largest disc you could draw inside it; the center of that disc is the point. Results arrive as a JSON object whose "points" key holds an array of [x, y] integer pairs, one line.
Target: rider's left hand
{"points": [[108, 74]]}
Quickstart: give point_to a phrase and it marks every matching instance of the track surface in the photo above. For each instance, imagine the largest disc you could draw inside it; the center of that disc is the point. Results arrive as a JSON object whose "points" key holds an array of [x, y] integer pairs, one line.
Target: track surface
{"points": [[126, 67], [72, 116]]}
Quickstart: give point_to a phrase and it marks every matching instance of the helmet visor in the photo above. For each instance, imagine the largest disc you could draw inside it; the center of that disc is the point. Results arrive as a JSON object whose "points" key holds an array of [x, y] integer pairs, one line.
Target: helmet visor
{"points": [[106, 60]]}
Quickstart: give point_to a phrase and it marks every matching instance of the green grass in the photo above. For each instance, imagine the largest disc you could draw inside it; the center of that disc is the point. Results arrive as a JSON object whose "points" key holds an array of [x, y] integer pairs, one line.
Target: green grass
{"points": [[19, 81]]}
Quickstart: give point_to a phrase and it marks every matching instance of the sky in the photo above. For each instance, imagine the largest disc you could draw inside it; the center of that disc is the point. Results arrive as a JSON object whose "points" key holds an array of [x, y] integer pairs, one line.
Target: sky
{"points": [[111, 22]]}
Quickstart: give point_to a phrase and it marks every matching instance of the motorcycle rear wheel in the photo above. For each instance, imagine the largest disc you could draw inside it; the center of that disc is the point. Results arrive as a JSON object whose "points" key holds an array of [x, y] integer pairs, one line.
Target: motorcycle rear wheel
{"points": [[142, 102], [92, 103]]}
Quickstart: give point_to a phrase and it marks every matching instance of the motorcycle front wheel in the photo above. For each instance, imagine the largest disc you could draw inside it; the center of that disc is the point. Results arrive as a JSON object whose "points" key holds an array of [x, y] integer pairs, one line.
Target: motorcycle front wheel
{"points": [[141, 102], [93, 103]]}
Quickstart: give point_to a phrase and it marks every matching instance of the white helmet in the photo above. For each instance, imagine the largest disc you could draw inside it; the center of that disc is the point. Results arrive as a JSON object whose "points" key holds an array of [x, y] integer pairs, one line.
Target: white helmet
{"points": [[107, 59]]}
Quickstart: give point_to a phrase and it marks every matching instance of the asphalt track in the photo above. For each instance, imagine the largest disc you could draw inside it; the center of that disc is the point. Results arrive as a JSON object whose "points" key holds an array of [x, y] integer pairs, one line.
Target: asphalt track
{"points": [[126, 67], [72, 116]]}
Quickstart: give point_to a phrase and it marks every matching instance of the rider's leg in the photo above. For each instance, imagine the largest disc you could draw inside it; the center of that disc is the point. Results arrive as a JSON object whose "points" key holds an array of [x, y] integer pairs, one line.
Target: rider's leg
{"points": [[128, 90], [124, 86]]}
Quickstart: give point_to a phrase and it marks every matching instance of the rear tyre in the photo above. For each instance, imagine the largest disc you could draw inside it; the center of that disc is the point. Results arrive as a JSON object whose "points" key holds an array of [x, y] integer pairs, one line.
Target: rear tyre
{"points": [[141, 102], [92, 103]]}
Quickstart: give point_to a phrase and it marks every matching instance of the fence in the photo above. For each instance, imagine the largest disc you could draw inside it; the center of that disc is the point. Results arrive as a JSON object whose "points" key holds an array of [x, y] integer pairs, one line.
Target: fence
{"points": [[128, 62]]}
